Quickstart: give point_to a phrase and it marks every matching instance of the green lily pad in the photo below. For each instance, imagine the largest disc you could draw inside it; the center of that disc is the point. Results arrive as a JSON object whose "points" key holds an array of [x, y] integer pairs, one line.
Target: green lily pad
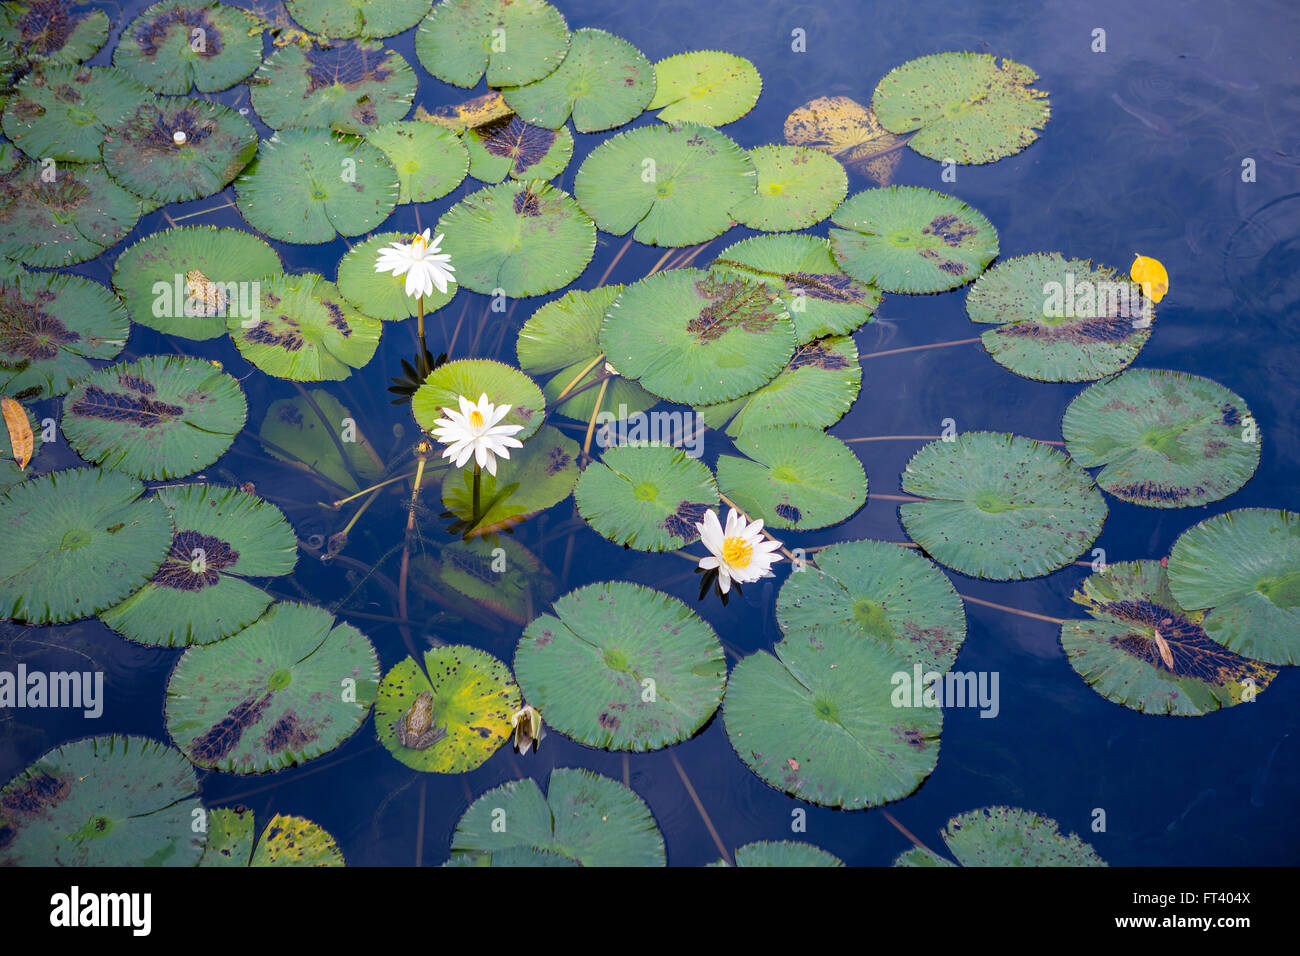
{"points": [[604, 82], [705, 86], [103, 801], [163, 416], [963, 107], [1086, 329], [288, 688], [647, 497], [53, 30], [286, 841], [473, 698], [307, 331], [784, 853], [797, 187], [430, 161], [669, 185], [503, 576], [78, 541], [534, 478], [511, 147], [151, 276], [310, 185], [619, 666], [162, 49], [1243, 569], [912, 239], [512, 42], [794, 476], [230, 837], [145, 157], [698, 337], [1165, 439], [1000, 506], [882, 592], [475, 377], [583, 817], [351, 86], [817, 720], [51, 324], [351, 18], [1118, 656], [72, 218], [561, 339], [382, 295], [523, 238], [816, 388], [919, 856], [293, 427], [821, 298], [514, 856], [1005, 836], [200, 594], [64, 112]]}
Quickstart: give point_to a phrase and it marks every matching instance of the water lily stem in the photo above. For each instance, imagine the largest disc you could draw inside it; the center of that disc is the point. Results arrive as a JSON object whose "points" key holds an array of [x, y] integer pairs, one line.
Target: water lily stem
{"points": [[403, 573], [1013, 610], [360, 511], [564, 392], [614, 262], [591, 425], [424, 363], [363, 491], [704, 814], [478, 490], [918, 348]]}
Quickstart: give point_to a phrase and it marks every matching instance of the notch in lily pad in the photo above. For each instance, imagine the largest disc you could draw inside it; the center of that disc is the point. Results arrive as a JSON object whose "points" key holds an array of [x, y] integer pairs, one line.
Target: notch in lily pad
{"points": [[287, 840]]}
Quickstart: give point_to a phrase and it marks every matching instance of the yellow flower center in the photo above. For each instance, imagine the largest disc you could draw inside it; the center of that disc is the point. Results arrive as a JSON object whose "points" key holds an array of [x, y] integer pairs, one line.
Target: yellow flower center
{"points": [[476, 418], [737, 552], [418, 247]]}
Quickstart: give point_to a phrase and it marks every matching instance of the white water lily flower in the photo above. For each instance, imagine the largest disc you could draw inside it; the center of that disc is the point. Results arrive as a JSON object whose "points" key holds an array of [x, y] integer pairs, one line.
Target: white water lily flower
{"points": [[474, 431], [419, 263], [740, 552]]}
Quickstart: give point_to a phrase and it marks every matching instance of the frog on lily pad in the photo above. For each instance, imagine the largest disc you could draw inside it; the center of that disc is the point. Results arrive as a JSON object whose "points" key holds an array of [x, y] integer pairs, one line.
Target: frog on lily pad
{"points": [[417, 730]]}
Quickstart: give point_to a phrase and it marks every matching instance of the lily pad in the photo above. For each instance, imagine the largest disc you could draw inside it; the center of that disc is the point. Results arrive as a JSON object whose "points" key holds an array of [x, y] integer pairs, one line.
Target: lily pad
{"points": [[604, 82], [430, 161], [310, 185], [65, 112], [522, 238], [1006, 836], [912, 239], [1243, 568], [382, 295], [69, 218], [882, 592], [785, 853], [1165, 439], [305, 330], [51, 324], [705, 86], [163, 416], [351, 18], [473, 698], [201, 593], [844, 128], [584, 817], [561, 339], [1000, 506], [145, 157], [512, 42], [1118, 654], [78, 541], [503, 576], [821, 298], [669, 185], [534, 478], [351, 86], [1086, 327], [53, 30], [154, 278], [794, 476], [698, 337], [647, 497], [817, 720], [816, 388], [511, 147], [962, 107], [293, 427], [472, 378], [104, 801], [286, 841], [796, 188], [288, 688], [162, 49]]}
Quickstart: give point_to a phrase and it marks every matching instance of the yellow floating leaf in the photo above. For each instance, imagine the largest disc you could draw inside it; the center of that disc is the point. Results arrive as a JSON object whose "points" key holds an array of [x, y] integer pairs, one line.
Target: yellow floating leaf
{"points": [[1151, 275], [21, 439], [850, 132], [470, 114]]}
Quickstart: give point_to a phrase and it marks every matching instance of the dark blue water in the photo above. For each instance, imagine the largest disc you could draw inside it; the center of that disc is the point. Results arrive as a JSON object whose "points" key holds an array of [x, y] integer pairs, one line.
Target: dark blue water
{"points": [[1101, 184]]}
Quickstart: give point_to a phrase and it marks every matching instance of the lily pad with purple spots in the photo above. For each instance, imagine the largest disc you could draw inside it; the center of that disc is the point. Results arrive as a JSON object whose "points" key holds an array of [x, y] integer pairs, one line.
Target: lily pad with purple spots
{"points": [[65, 113], [1143, 650], [286, 841], [292, 686], [178, 44], [55, 31], [64, 215], [201, 593], [511, 147]]}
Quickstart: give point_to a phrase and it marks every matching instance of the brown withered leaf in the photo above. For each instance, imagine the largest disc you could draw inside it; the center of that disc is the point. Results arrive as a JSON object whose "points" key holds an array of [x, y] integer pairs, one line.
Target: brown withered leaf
{"points": [[21, 439], [470, 114], [850, 132]]}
